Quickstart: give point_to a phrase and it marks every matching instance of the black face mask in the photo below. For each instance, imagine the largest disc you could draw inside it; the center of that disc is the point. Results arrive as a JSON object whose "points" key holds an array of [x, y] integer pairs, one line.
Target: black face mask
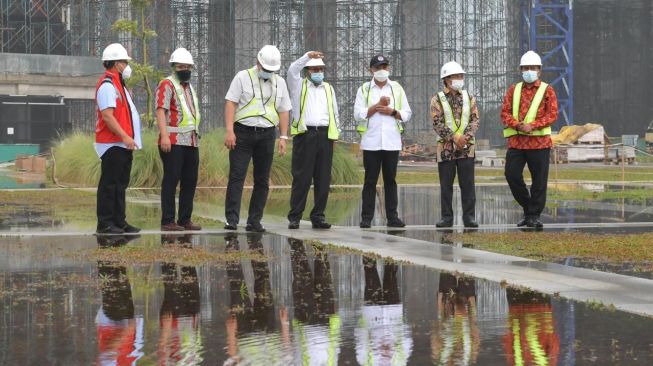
{"points": [[183, 75]]}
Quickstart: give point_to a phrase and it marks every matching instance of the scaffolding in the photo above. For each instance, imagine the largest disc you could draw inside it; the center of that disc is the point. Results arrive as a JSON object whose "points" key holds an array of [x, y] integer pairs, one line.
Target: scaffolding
{"points": [[224, 36]]}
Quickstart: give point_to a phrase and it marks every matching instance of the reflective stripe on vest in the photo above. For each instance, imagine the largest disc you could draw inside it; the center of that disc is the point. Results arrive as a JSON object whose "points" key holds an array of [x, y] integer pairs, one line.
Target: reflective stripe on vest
{"points": [[299, 127], [397, 100], [188, 121], [532, 111], [458, 126], [257, 107]]}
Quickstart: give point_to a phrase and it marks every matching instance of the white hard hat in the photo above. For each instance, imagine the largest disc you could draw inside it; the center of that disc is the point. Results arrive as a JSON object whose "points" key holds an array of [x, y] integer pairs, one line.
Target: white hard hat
{"points": [[451, 68], [315, 62], [269, 57], [181, 56], [114, 52], [530, 58]]}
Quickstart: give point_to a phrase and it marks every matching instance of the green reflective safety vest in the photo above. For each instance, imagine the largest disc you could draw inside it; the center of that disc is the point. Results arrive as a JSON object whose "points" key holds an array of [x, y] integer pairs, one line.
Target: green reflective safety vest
{"points": [[457, 125], [531, 114], [188, 121], [299, 126], [257, 107], [397, 100], [334, 340]]}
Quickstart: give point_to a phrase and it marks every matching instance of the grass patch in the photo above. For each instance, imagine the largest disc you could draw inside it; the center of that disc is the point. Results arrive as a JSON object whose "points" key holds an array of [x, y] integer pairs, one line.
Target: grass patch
{"points": [[626, 248], [77, 163], [634, 196], [131, 255]]}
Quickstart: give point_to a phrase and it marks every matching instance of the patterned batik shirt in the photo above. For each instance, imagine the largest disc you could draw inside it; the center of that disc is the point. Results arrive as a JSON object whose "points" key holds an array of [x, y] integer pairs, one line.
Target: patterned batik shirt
{"points": [[446, 149]]}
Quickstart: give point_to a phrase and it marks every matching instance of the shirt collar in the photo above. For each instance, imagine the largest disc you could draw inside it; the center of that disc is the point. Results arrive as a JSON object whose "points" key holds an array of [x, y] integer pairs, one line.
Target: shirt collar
{"points": [[448, 90], [536, 84], [373, 83]]}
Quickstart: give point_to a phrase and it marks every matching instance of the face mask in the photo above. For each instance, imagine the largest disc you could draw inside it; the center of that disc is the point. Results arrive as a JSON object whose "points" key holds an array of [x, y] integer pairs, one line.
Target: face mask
{"points": [[457, 84], [317, 77], [381, 75], [265, 75], [126, 72], [529, 76], [183, 75]]}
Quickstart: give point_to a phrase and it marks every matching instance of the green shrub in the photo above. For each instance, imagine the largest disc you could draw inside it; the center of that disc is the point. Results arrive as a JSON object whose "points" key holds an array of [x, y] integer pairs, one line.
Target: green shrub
{"points": [[77, 164]]}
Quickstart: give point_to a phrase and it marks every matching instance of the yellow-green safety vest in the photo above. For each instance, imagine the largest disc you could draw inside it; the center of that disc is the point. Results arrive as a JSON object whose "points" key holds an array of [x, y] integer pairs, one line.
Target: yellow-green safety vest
{"points": [[257, 107], [397, 100], [334, 340], [299, 126], [188, 121], [531, 114], [458, 125]]}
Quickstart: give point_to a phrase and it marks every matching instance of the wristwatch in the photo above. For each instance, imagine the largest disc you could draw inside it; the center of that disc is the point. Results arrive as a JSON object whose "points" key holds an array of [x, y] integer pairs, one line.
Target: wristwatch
{"points": [[394, 113], [283, 137]]}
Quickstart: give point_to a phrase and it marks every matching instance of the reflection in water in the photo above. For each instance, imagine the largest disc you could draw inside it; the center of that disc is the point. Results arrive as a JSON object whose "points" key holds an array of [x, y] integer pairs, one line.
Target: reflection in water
{"points": [[180, 341], [325, 308], [119, 334]]}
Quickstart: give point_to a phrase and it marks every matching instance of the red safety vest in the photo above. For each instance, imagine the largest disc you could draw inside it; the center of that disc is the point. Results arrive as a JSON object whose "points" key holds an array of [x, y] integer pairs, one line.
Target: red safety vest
{"points": [[122, 112]]}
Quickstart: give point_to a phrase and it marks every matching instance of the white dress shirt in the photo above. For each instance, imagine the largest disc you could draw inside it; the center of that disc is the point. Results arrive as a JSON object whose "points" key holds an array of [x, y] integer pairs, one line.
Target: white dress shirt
{"points": [[241, 92], [316, 109], [382, 132]]}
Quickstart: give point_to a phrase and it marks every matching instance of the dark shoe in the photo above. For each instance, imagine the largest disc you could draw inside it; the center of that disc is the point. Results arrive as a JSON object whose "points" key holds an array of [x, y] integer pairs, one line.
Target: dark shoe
{"points": [[257, 228], [171, 227], [522, 222], [321, 225], [534, 223], [444, 223], [471, 223], [293, 225], [130, 229], [395, 223], [365, 224], [229, 226], [110, 230], [190, 226]]}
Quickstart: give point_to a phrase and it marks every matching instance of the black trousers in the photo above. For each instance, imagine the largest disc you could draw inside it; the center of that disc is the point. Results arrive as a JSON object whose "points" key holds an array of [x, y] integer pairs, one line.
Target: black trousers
{"points": [[116, 167], [447, 171], [312, 157], [180, 166], [256, 145], [538, 164], [374, 162]]}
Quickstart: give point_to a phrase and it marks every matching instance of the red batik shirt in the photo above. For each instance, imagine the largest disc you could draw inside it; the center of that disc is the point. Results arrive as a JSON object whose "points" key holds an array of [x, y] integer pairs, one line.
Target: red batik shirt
{"points": [[167, 99], [547, 114]]}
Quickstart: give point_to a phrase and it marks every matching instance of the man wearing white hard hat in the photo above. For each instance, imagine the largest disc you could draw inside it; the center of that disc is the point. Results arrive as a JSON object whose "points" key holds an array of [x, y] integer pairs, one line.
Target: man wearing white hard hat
{"points": [[530, 107], [178, 118], [117, 135], [256, 103], [455, 120], [314, 128]]}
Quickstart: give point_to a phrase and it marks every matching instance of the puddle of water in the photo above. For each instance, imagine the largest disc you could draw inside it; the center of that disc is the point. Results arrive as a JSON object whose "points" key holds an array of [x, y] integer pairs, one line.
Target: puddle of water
{"points": [[303, 305]]}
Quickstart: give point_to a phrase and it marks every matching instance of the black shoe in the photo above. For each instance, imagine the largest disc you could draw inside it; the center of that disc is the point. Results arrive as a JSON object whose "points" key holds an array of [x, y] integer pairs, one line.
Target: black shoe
{"points": [[293, 225], [534, 223], [471, 223], [130, 229], [321, 225], [523, 222], [444, 223], [229, 226], [365, 224], [257, 228], [111, 229], [396, 222]]}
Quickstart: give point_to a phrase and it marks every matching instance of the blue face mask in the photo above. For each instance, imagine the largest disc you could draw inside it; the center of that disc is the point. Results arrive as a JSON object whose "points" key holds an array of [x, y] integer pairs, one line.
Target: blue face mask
{"points": [[317, 77], [529, 76], [265, 75]]}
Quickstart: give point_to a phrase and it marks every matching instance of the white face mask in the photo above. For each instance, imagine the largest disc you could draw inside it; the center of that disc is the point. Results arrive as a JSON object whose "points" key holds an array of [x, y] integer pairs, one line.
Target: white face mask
{"points": [[126, 72], [457, 84], [529, 76], [381, 75]]}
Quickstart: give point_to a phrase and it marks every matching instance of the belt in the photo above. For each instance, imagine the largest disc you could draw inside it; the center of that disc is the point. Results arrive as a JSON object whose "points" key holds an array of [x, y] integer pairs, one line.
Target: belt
{"points": [[253, 128], [317, 128]]}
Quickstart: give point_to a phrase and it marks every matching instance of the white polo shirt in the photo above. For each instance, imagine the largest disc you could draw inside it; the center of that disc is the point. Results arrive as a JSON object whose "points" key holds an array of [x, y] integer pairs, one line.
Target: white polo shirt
{"points": [[382, 132], [241, 92], [316, 108]]}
